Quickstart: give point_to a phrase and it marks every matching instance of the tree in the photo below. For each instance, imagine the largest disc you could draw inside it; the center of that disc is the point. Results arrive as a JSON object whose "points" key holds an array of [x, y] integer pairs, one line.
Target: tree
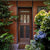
{"points": [[5, 20]]}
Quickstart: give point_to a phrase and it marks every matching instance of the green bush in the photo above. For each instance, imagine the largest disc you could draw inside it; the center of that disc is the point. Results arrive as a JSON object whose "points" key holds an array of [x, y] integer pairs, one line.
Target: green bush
{"points": [[34, 46], [42, 21], [45, 24], [39, 17], [5, 20], [5, 41]]}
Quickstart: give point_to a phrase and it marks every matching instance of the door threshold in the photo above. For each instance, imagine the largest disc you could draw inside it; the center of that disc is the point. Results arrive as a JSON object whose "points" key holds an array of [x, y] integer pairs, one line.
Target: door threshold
{"points": [[21, 49]]}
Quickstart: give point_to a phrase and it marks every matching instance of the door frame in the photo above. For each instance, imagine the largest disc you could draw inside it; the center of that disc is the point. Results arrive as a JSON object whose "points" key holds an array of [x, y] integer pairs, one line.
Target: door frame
{"points": [[31, 25], [26, 24]]}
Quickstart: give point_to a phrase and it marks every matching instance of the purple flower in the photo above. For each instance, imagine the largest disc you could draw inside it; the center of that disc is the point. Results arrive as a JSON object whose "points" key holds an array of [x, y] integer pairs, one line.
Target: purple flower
{"points": [[40, 32], [43, 36], [38, 36], [35, 37]]}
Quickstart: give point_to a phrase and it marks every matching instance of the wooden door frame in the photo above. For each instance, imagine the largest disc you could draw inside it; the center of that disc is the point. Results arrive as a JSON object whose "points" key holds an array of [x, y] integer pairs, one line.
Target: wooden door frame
{"points": [[17, 19], [32, 21]]}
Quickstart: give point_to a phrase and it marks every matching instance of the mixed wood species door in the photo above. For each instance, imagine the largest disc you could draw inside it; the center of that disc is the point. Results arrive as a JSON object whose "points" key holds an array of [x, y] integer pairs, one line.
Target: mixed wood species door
{"points": [[24, 25]]}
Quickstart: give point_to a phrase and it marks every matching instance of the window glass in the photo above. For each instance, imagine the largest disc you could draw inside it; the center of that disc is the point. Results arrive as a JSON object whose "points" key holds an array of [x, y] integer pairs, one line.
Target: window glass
{"points": [[21, 31], [21, 18], [25, 11], [27, 31], [24, 18], [28, 18]]}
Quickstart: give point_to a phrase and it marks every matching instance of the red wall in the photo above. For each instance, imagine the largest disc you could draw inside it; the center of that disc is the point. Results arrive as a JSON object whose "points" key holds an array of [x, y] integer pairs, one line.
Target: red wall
{"points": [[13, 27], [25, 3]]}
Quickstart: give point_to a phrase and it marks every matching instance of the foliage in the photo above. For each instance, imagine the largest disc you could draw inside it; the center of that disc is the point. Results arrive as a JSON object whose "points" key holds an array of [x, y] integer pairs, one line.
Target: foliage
{"points": [[5, 20], [43, 36], [34, 46], [47, 2], [45, 23], [39, 17], [5, 40]]}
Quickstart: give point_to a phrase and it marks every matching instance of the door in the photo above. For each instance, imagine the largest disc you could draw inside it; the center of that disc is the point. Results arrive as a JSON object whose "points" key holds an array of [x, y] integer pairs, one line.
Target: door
{"points": [[24, 25]]}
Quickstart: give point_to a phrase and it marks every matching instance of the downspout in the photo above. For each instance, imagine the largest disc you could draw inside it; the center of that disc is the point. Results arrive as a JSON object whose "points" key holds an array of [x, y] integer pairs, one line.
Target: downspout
{"points": [[32, 18], [17, 19]]}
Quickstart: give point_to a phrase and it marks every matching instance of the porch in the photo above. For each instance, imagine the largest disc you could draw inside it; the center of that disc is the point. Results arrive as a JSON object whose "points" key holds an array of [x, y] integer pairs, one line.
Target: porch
{"points": [[25, 27]]}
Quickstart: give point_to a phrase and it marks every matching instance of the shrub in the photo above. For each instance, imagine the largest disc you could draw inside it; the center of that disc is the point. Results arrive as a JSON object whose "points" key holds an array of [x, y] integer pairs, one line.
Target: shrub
{"points": [[43, 35], [5, 21], [39, 17], [34, 46], [45, 24], [5, 40]]}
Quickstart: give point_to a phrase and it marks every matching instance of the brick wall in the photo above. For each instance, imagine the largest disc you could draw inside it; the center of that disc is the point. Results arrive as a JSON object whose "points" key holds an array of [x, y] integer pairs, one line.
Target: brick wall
{"points": [[13, 27]]}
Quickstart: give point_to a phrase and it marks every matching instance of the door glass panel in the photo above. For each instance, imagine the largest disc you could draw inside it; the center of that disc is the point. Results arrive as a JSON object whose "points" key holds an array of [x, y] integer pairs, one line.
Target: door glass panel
{"points": [[25, 11], [21, 31], [28, 18], [21, 18], [24, 18], [27, 31]]}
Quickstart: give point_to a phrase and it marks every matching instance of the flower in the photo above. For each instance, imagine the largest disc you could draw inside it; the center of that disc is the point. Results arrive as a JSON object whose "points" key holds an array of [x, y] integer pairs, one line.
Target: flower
{"points": [[43, 36], [40, 32], [35, 37], [38, 36]]}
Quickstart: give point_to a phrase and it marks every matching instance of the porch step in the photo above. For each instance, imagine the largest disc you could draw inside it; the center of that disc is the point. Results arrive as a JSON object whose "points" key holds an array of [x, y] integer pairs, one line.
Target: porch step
{"points": [[22, 45]]}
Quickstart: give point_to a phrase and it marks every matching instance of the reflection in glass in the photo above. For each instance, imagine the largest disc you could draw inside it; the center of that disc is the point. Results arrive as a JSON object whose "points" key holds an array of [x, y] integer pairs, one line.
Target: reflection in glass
{"points": [[21, 18], [27, 18], [24, 18]]}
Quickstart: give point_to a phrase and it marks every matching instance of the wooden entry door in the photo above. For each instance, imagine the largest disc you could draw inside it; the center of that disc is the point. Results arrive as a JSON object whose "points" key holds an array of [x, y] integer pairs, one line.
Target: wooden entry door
{"points": [[24, 25]]}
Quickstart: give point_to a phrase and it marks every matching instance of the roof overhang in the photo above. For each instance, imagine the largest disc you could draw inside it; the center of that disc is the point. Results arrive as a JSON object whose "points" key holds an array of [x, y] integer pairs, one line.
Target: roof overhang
{"points": [[24, 0], [31, 0]]}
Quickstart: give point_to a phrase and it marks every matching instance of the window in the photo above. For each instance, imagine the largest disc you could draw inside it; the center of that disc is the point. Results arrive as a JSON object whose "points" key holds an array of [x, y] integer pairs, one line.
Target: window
{"points": [[24, 18], [25, 11], [21, 31], [27, 31], [21, 18], [28, 18], [40, 8]]}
